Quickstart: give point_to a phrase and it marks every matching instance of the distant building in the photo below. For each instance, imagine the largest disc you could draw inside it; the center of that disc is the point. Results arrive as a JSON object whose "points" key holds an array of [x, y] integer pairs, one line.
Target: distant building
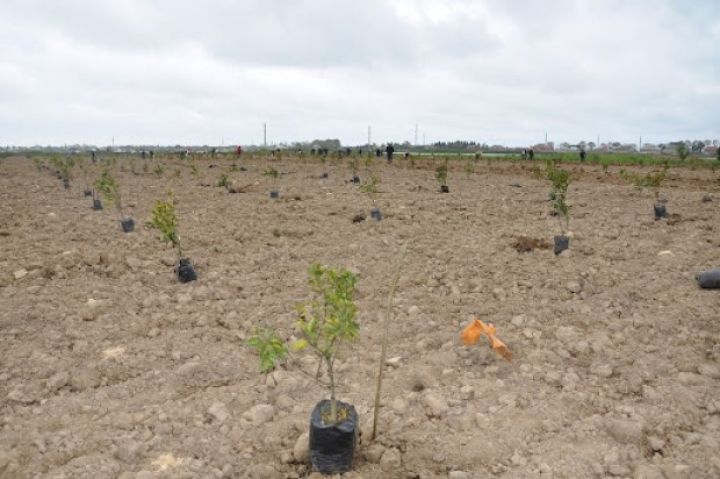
{"points": [[650, 148], [543, 147]]}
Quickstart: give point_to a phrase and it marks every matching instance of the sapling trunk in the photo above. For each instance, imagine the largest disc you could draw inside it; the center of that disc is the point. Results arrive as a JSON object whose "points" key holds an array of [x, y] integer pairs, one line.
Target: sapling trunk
{"points": [[384, 341], [333, 402], [118, 205]]}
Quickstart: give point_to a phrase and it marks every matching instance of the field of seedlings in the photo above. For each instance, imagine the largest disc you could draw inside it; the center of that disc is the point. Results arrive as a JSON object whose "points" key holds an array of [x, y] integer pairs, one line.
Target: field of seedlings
{"points": [[113, 368]]}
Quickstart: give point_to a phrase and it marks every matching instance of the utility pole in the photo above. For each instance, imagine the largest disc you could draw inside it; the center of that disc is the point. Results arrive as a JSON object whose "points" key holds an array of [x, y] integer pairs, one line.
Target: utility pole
{"points": [[264, 134], [416, 134], [546, 137], [639, 149]]}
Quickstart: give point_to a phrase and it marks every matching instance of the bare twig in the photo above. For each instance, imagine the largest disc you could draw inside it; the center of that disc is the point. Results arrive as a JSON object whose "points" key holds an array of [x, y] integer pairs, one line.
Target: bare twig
{"points": [[384, 339]]}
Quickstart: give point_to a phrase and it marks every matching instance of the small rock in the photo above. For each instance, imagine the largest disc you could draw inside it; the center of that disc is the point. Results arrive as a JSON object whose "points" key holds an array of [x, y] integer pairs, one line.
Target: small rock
{"points": [[374, 453], [57, 381], [301, 450], [458, 475], [84, 378], [707, 199], [218, 411], [709, 370], [393, 362], [188, 369], [499, 294], [467, 392], [391, 460], [133, 263], [518, 460], [553, 377], [573, 286], [20, 274], [263, 471], [286, 457], [625, 431], [690, 378], [656, 444], [604, 370], [435, 404], [648, 471], [130, 453], [259, 414], [399, 405], [618, 470], [413, 310], [21, 396]]}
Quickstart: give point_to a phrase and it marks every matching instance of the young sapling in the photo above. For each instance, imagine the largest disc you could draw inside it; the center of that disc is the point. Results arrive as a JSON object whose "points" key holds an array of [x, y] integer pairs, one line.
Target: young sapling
{"points": [[328, 320], [353, 164], [325, 322], [370, 187], [273, 174], [164, 219], [470, 167], [224, 181], [560, 180], [441, 173], [650, 182], [108, 186]]}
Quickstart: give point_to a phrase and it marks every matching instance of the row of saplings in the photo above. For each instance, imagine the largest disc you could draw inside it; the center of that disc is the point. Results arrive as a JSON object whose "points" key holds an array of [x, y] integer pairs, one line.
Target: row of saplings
{"points": [[369, 186], [324, 323], [164, 217], [560, 180]]}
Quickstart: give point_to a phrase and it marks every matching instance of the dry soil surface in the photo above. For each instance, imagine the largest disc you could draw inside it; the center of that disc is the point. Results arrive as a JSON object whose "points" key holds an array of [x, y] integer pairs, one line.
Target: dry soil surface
{"points": [[111, 368]]}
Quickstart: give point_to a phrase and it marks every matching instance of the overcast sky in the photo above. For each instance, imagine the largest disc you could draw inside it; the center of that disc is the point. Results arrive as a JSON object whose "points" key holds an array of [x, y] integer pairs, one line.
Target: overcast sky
{"points": [[495, 71]]}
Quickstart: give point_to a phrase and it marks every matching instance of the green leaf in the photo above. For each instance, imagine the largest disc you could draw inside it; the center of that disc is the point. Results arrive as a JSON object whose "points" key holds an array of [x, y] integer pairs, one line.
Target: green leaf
{"points": [[300, 344]]}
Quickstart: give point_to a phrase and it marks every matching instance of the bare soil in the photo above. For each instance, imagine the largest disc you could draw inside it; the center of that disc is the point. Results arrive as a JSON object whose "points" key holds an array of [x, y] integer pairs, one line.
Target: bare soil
{"points": [[111, 368]]}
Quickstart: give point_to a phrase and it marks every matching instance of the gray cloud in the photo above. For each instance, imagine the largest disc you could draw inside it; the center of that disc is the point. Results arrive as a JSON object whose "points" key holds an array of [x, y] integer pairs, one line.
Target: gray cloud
{"points": [[498, 71]]}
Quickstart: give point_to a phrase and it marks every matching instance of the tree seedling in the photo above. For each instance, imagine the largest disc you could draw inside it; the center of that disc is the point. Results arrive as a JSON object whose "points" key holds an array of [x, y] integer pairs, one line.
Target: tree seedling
{"points": [[327, 321], [110, 190], [63, 168], [324, 322], [560, 180], [470, 167], [159, 170], [370, 187], [650, 182], [224, 181], [273, 174], [441, 173], [353, 164], [164, 219]]}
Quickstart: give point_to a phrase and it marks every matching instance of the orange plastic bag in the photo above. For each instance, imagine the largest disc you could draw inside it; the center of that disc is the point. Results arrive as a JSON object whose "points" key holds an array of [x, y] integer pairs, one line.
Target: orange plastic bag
{"points": [[471, 335]]}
